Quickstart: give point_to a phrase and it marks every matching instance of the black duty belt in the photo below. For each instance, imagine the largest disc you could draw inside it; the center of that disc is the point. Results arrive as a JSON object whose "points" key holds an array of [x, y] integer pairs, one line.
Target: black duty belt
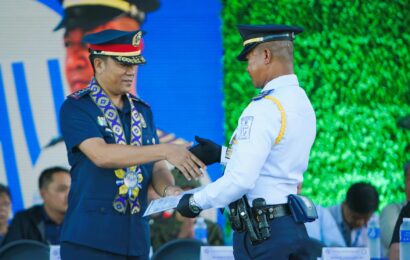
{"points": [[276, 211]]}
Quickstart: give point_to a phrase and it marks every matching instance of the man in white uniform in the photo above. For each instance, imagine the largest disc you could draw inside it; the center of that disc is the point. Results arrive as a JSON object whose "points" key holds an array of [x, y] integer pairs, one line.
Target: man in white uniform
{"points": [[269, 150]]}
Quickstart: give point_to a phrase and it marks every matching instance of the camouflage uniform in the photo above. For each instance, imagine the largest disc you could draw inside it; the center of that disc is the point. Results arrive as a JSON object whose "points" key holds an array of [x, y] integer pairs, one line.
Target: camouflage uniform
{"points": [[166, 228]]}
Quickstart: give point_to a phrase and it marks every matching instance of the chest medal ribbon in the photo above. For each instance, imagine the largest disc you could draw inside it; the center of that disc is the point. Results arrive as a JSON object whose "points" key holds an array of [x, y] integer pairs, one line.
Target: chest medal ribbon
{"points": [[128, 179]]}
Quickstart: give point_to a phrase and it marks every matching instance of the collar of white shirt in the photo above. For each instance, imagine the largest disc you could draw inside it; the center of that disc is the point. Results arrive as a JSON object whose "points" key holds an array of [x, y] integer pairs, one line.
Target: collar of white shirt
{"points": [[282, 81]]}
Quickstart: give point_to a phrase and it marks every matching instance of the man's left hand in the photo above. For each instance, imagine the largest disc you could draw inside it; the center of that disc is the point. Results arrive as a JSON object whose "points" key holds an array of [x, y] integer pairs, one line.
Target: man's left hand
{"points": [[187, 206]]}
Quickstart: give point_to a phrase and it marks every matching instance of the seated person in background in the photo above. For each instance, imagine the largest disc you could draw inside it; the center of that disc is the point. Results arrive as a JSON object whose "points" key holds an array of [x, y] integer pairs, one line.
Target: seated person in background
{"points": [[389, 215], [5, 210], [394, 250], [351, 217], [171, 225], [43, 222]]}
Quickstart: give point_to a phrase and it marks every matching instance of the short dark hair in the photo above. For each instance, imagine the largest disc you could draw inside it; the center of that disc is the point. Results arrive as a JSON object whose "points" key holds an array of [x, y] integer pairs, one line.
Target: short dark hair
{"points": [[362, 198], [46, 175], [5, 189], [92, 57]]}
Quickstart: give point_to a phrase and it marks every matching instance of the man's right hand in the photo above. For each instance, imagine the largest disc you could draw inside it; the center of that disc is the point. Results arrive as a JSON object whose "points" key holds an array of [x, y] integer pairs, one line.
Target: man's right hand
{"points": [[207, 151], [179, 156]]}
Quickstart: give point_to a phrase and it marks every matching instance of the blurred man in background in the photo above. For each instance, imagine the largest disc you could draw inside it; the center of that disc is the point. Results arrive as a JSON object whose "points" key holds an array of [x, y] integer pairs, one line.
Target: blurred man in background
{"points": [[390, 214], [394, 249], [5, 210], [43, 222], [352, 216]]}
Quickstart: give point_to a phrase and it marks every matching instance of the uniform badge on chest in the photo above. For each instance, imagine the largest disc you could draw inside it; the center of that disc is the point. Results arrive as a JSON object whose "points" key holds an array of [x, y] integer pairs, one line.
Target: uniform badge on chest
{"points": [[244, 129]]}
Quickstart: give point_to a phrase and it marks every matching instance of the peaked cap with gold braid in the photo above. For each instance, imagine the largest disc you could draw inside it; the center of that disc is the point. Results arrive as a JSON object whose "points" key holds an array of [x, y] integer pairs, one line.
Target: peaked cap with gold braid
{"points": [[123, 46], [253, 35]]}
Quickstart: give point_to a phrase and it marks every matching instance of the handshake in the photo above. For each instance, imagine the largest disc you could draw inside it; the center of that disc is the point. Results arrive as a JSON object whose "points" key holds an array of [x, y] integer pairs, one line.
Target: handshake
{"points": [[207, 151]]}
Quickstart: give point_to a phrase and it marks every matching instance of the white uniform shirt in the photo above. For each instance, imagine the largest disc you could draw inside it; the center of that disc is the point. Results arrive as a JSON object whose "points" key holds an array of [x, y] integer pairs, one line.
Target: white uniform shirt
{"points": [[258, 167]]}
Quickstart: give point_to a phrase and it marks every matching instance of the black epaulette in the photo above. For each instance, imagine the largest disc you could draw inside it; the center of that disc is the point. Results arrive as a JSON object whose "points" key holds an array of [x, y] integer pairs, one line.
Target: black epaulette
{"points": [[79, 93], [262, 95], [135, 98]]}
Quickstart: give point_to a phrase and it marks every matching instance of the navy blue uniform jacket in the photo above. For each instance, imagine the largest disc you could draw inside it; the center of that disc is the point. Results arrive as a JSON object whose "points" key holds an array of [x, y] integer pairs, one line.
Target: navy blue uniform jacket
{"points": [[91, 219]]}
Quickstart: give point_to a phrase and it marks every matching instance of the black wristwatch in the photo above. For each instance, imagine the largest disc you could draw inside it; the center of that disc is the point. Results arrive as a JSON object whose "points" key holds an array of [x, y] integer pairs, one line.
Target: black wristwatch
{"points": [[188, 207], [193, 206]]}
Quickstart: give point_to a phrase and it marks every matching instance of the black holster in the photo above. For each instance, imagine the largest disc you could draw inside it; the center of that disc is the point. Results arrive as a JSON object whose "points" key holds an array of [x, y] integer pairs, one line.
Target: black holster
{"points": [[242, 218]]}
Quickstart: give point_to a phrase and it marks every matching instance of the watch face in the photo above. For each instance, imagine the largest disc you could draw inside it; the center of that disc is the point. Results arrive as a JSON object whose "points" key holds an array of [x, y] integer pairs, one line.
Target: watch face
{"points": [[194, 209]]}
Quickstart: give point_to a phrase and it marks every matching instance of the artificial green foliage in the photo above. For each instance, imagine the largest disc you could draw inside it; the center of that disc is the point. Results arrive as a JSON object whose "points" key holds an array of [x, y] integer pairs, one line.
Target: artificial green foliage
{"points": [[353, 60]]}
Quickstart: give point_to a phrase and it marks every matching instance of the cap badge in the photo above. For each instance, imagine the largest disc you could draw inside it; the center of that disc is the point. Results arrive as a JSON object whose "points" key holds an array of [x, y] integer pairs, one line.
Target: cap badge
{"points": [[136, 39]]}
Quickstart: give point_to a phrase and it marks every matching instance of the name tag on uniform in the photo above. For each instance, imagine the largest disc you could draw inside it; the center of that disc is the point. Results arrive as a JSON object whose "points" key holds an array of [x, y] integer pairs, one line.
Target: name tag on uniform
{"points": [[244, 129]]}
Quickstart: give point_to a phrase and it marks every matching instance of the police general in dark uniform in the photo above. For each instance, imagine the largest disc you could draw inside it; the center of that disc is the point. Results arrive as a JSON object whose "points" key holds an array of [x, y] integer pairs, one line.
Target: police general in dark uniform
{"points": [[114, 153], [267, 156]]}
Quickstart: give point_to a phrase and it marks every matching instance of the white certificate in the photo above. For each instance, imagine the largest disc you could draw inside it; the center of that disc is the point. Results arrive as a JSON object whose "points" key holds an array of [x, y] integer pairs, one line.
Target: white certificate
{"points": [[167, 203]]}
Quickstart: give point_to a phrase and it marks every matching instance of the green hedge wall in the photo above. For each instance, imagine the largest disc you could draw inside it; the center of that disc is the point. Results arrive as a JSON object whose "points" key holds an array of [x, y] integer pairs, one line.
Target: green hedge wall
{"points": [[353, 61]]}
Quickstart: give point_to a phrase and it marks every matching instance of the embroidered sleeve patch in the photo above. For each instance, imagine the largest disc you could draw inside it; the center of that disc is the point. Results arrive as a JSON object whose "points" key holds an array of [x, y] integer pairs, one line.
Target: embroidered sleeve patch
{"points": [[244, 129]]}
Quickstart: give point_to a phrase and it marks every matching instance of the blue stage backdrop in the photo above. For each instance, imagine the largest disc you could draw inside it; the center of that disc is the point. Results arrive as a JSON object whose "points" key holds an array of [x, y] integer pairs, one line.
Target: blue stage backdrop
{"points": [[182, 79]]}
